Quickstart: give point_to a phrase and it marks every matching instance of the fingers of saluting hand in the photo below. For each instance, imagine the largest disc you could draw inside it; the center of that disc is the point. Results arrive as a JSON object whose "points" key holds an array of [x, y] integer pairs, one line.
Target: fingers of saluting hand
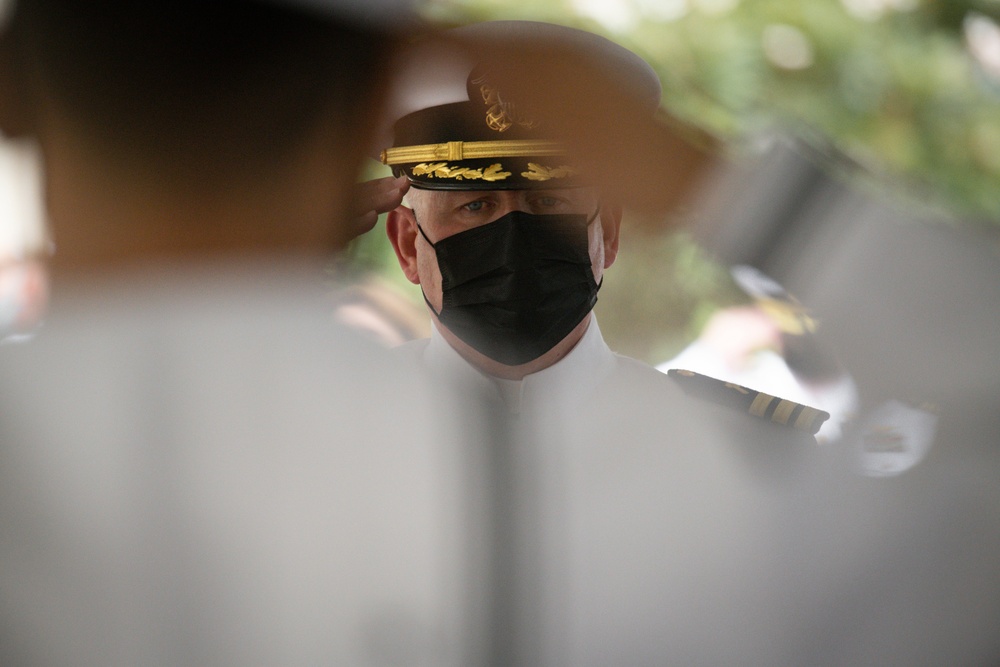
{"points": [[372, 198]]}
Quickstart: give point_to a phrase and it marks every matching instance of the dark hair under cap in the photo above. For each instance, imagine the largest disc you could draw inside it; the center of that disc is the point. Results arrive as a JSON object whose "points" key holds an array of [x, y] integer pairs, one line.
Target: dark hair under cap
{"points": [[526, 78], [202, 88]]}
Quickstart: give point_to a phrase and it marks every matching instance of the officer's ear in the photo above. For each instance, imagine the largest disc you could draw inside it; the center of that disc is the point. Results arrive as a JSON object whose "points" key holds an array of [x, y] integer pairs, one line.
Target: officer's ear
{"points": [[611, 221], [401, 228]]}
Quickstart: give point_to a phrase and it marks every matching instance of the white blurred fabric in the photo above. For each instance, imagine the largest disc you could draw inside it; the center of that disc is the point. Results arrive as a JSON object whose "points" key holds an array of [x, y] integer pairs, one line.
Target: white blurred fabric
{"points": [[197, 467]]}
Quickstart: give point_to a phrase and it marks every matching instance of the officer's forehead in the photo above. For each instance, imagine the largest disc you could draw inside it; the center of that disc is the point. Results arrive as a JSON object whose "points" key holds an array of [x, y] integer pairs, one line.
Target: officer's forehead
{"points": [[435, 198]]}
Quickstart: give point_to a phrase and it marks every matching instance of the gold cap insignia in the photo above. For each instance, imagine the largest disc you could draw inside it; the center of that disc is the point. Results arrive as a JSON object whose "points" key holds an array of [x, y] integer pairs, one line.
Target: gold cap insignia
{"points": [[501, 115]]}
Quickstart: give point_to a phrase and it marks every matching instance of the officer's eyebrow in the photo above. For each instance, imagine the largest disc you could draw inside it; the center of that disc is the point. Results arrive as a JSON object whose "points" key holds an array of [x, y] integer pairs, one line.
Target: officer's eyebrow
{"points": [[458, 197]]}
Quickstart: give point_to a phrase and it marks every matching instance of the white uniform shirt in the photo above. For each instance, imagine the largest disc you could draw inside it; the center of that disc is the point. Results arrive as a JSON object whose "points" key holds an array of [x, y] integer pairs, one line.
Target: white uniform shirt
{"points": [[641, 532], [572, 381]]}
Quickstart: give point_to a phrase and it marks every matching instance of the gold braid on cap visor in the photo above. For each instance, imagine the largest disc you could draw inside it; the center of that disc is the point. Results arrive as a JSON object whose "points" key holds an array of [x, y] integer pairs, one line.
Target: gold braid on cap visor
{"points": [[470, 150]]}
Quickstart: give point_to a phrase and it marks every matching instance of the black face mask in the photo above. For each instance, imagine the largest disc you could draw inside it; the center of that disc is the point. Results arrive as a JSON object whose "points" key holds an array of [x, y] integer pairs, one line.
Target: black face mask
{"points": [[515, 287]]}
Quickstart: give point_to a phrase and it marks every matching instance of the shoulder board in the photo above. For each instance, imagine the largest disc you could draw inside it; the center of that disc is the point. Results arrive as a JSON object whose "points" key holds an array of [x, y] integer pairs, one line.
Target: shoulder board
{"points": [[756, 403]]}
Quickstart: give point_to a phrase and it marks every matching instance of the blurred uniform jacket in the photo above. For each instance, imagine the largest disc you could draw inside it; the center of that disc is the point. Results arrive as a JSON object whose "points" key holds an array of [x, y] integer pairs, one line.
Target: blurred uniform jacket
{"points": [[197, 468]]}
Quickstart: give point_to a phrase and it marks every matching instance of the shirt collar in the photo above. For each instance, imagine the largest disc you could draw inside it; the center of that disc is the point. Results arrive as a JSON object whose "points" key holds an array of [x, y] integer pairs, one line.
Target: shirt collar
{"points": [[568, 382]]}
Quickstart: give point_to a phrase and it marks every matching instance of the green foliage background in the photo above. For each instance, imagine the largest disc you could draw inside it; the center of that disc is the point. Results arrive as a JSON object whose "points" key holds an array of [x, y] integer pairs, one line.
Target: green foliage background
{"points": [[893, 85]]}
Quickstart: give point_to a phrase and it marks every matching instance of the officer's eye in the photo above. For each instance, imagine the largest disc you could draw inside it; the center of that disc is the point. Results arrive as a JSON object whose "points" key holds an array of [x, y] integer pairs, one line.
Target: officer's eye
{"points": [[474, 206], [548, 202]]}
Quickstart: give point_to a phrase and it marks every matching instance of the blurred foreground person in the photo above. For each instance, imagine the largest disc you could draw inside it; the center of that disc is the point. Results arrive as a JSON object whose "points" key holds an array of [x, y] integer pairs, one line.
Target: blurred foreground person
{"points": [[196, 466], [905, 559]]}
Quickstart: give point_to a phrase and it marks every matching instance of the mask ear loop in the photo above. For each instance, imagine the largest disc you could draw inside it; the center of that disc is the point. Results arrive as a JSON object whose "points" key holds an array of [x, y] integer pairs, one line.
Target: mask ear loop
{"points": [[421, 229], [597, 212], [431, 243]]}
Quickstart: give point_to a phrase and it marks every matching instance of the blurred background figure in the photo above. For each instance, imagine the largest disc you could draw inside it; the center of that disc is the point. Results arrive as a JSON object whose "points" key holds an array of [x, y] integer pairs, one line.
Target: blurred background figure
{"points": [[23, 297], [771, 345], [197, 466], [23, 275], [377, 309]]}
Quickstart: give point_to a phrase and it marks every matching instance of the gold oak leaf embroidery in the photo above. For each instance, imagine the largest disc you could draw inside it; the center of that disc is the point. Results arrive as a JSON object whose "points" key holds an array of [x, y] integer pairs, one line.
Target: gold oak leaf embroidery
{"points": [[494, 173], [424, 169], [537, 172], [443, 170]]}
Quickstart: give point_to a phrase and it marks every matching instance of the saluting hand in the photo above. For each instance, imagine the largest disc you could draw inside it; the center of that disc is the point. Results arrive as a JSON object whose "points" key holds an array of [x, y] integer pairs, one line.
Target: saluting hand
{"points": [[372, 198]]}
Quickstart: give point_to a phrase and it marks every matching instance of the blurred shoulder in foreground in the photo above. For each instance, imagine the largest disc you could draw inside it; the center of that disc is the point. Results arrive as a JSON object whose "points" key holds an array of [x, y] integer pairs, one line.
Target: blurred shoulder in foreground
{"points": [[197, 466]]}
